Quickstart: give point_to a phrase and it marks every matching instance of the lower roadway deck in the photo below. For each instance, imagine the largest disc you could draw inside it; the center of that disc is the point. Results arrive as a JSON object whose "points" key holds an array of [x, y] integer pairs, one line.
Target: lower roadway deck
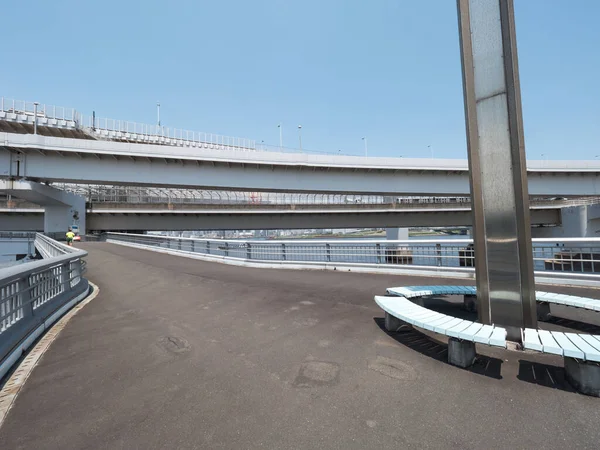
{"points": [[179, 353]]}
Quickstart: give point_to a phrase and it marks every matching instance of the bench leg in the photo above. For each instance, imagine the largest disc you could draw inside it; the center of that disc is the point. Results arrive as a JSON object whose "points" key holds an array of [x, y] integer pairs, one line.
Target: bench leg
{"points": [[543, 311], [583, 375], [394, 324], [461, 353], [470, 302]]}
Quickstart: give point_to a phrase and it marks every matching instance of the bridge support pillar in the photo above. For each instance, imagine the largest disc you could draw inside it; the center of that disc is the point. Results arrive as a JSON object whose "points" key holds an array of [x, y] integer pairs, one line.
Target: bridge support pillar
{"points": [[396, 234], [576, 221], [61, 209]]}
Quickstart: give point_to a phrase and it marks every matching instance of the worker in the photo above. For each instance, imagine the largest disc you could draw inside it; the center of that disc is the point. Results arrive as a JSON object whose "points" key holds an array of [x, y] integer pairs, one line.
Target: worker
{"points": [[70, 237]]}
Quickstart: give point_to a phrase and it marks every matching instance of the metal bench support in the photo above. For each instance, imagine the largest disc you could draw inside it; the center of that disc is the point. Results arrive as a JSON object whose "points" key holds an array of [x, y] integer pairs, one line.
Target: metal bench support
{"points": [[583, 375], [461, 353]]}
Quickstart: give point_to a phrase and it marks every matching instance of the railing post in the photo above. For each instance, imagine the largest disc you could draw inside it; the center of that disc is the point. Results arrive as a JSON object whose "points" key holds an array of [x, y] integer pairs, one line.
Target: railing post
{"points": [[208, 247], [179, 244], [283, 251], [226, 248], [24, 297], [378, 246], [328, 250], [248, 251], [438, 248], [193, 246]]}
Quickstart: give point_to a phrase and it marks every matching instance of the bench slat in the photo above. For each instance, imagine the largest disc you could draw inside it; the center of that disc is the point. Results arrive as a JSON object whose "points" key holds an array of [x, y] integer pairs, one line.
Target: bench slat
{"points": [[440, 322], [550, 345], [568, 347], [592, 340], [483, 336], [424, 320], [591, 353], [498, 337], [453, 332], [442, 328], [469, 333], [531, 340]]}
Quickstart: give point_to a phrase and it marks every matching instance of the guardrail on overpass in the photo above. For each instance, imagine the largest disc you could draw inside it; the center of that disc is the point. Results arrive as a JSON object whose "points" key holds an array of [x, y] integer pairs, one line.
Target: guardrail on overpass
{"points": [[36, 294], [566, 258]]}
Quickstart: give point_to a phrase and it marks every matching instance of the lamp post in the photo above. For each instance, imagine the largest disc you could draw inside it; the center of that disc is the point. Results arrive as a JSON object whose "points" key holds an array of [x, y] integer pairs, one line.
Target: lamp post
{"points": [[300, 136], [366, 150], [280, 136]]}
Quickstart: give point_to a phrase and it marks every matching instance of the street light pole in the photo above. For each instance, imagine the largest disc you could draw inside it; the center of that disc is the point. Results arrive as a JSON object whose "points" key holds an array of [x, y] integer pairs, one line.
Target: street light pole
{"points": [[158, 114], [430, 151], [300, 136], [366, 151], [280, 136]]}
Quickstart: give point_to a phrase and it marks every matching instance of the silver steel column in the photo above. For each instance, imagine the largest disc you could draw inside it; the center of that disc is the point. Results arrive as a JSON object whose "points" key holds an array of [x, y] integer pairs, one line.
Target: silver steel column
{"points": [[497, 165]]}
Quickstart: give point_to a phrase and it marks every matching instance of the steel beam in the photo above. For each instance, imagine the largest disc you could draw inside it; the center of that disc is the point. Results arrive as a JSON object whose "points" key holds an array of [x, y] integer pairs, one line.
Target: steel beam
{"points": [[497, 165]]}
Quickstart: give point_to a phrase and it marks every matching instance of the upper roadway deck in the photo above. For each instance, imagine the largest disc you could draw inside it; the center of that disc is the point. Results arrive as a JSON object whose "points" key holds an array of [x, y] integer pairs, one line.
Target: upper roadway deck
{"points": [[177, 353], [72, 160]]}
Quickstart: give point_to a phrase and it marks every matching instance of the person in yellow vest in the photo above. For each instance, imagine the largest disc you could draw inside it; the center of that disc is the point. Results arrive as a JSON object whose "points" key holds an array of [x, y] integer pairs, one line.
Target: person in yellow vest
{"points": [[70, 235]]}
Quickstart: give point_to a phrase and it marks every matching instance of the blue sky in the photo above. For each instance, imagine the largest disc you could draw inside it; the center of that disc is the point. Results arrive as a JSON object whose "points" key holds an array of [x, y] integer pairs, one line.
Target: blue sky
{"points": [[387, 69]]}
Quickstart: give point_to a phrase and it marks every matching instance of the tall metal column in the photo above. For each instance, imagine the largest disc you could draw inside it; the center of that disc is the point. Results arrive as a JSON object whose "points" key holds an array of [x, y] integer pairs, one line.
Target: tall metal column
{"points": [[497, 165]]}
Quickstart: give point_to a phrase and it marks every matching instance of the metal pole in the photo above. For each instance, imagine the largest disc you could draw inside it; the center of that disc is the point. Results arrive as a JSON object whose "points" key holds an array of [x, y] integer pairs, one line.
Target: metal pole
{"points": [[35, 105], [366, 152], [430, 151], [280, 136], [300, 136], [158, 114], [497, 165]]}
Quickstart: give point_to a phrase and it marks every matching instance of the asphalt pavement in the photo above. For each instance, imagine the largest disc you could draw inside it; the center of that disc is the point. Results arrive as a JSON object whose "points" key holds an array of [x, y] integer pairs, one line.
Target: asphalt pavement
{"points": [[176, 353]]}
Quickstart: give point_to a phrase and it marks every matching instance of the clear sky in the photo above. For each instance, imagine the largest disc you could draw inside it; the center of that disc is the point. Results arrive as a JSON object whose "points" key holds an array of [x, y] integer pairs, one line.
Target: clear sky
{"points": [[343, 69]]}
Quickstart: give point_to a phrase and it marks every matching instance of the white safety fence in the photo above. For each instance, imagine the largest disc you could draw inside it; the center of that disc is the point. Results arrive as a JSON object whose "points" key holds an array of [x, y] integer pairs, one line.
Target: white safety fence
{"points": [[35, 294], [551, 256]]}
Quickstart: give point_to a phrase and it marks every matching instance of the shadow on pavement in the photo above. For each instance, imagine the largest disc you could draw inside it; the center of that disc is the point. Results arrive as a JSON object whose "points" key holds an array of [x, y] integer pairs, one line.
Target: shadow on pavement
{"points": [[544, 375], [417, 341], [572, 324]]}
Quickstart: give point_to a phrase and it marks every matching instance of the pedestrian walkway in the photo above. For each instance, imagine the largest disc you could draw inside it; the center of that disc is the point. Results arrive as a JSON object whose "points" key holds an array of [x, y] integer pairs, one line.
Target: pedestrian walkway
{"points": [[179, 353]]}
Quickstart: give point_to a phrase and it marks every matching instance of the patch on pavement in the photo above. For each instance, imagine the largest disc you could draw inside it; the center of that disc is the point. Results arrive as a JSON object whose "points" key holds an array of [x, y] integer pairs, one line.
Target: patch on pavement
{"points": [[174, 344], [317, 373], [393, 368]]}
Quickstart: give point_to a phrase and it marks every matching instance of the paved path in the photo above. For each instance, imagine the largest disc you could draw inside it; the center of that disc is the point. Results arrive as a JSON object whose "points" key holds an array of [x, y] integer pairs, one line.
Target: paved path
{"points": [[175, 354]]}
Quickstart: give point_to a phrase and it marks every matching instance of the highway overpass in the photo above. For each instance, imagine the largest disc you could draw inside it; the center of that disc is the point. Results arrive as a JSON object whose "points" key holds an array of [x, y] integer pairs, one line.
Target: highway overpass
{"points": [[73, 160], [158, 218]]}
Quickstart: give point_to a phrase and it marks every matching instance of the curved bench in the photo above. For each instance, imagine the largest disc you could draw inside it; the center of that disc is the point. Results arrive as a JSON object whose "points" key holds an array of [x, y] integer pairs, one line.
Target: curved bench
{"points": [[581, 352], [462, 334], [544, 299]]}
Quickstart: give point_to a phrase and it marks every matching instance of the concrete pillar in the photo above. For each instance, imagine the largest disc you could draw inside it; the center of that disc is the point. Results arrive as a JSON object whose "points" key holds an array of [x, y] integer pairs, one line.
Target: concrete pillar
{"points": [[394, 324], [461, 353], [576, 222], [61, 209], [396, 234], [583, 375], [58, 218]]}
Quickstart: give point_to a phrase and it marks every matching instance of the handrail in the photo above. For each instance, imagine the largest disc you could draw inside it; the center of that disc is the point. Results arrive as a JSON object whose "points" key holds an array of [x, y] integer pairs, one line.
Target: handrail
{"points": [[573, 256], [34, 294]]}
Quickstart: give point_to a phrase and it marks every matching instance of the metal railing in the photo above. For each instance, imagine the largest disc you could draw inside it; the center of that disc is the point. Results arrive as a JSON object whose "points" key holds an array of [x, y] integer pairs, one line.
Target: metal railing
{"points": [[35, 294], [23, 110], [550, 255], [140, 132]]}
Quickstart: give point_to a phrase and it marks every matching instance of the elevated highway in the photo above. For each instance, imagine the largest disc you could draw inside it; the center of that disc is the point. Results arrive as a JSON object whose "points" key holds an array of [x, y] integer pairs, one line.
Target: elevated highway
{"points": [[60, 159], [160, 217]]}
